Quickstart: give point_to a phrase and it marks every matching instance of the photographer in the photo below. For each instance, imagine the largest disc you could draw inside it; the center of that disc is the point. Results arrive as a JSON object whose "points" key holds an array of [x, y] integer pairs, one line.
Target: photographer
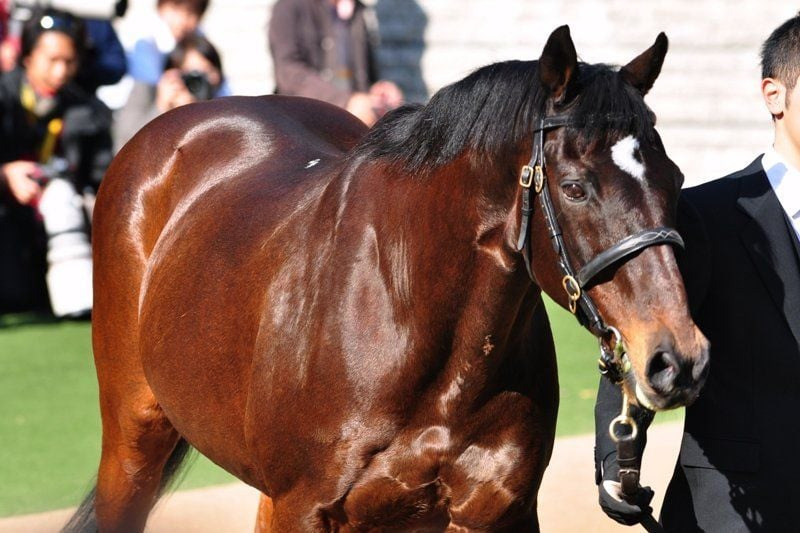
{"points": [[45, 117], [193, 72]]}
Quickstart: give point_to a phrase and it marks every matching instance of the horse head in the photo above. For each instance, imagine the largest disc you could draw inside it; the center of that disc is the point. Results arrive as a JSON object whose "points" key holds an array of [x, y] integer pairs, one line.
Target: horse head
{"points": [[612, 192]]}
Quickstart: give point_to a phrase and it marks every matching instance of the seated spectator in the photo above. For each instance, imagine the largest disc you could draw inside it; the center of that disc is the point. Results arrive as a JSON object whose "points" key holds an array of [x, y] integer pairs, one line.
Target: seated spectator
{"points": [[193, 72], [176, 20], [323, 49], [45, 117]]}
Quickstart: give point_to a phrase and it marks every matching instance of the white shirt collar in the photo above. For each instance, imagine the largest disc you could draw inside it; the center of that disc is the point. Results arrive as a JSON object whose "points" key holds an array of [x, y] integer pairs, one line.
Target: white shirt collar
{"points": [[785, 181]]}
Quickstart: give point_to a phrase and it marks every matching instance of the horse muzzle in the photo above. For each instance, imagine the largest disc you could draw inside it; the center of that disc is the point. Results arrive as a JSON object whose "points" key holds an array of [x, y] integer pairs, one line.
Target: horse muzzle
{"points": [[672, 379]]}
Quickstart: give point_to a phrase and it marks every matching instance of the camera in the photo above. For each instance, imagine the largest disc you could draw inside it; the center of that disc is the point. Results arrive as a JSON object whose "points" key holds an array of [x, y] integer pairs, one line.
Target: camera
{"points": [[69, 252], [197, 83]]}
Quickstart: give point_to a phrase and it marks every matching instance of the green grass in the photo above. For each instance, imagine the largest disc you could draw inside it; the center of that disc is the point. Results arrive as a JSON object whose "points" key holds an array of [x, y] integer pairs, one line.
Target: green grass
{"points": [[49, 418], [50, 424]]}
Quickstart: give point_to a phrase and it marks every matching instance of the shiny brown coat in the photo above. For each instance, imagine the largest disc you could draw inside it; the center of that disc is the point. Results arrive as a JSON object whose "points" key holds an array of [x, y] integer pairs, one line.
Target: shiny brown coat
{"points": [[361, 344]]}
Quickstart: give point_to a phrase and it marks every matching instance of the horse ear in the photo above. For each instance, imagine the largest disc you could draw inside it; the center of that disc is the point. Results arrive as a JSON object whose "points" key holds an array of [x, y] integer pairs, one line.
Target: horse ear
{"points": [[558, 63], [643, 71]]}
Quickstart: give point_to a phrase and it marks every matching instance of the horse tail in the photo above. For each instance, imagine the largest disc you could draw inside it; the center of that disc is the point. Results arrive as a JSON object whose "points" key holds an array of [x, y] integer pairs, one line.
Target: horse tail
{"points": [[172, 472], [84, 519]]}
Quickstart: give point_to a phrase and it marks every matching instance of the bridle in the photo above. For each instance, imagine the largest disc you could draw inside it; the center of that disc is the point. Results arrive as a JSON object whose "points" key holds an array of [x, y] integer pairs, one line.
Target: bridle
{"points": [[613, 362]]}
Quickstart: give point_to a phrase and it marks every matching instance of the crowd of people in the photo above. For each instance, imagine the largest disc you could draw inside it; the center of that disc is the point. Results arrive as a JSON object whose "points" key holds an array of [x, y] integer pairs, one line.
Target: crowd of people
{"points": [[57, 137]]}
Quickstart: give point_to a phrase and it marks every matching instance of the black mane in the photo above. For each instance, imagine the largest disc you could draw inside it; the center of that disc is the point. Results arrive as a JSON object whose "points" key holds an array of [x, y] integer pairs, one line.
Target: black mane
{"points": [[494, 110]]}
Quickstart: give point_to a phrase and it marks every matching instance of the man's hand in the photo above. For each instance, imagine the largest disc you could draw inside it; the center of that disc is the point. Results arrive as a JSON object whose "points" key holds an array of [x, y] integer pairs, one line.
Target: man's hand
{"points": [[621, 511], [18, 176], [171, 92], [385, 96], [360, 104]]}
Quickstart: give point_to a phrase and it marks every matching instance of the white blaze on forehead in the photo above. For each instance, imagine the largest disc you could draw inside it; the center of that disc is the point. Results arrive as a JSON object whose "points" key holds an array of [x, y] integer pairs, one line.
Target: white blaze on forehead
{"points": [[623, 155]]}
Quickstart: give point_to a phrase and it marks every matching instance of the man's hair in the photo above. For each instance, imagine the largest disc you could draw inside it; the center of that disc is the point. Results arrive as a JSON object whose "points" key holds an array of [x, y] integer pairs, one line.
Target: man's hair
{"points": [[195, 6], [780, 54]]}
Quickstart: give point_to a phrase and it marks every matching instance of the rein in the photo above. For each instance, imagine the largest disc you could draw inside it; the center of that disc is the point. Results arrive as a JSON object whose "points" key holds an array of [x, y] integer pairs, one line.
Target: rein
{"points": [[613, 363]]}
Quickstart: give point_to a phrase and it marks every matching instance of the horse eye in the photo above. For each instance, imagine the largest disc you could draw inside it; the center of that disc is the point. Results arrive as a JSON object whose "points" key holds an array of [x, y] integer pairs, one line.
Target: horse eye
{"points": [[573, 191]]}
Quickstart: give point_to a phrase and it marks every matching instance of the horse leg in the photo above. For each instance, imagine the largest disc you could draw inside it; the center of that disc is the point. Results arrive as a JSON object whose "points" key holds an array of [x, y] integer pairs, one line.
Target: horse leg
{"points": [[140, 446], [140, 451], [526, 524], [264, 517], [298, 512]]}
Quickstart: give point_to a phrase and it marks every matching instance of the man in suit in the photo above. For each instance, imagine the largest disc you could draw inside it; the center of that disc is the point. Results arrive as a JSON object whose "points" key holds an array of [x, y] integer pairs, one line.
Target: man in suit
{"points": [[739, 462]]}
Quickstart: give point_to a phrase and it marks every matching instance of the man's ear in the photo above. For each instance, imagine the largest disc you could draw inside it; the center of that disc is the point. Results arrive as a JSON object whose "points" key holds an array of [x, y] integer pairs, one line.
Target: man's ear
{"points": [[774, 93]]}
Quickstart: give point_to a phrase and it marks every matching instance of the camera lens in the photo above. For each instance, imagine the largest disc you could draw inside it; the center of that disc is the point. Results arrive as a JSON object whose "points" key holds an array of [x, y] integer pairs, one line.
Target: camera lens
{"points": [[197, 83]]}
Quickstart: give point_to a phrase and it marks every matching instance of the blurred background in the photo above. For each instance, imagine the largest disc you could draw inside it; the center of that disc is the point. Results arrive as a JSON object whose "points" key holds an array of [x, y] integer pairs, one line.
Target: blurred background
{"points": [[710, 116], [707, 99]]}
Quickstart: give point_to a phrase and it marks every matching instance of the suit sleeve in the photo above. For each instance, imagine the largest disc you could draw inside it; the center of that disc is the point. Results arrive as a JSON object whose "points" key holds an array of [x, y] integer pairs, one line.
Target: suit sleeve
{"points": [[607, 408], [294, 73]]}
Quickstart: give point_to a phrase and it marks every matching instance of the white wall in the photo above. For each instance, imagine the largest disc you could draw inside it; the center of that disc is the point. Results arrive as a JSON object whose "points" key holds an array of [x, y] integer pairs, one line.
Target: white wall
{"points": [[707, 99]]}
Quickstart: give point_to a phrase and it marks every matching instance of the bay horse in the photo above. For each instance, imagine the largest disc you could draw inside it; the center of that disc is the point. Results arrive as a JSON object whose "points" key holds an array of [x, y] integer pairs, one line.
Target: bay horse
{"points": [[343, 318]]}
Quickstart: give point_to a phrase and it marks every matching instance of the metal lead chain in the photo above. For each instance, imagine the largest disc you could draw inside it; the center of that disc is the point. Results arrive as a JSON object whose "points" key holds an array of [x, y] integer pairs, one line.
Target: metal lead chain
{"points": [[624, 419]]}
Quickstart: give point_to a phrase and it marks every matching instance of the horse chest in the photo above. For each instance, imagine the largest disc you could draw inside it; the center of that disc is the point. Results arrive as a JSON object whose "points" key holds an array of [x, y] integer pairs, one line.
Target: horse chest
{"points": [[437, 477]]}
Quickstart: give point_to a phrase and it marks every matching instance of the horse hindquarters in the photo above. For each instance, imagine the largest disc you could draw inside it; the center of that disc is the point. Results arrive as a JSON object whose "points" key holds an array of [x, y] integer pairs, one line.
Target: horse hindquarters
{"points": [[138, 440]]}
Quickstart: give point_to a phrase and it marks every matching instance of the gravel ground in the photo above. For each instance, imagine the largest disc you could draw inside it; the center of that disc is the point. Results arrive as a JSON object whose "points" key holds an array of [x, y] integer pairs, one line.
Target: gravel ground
{"points": [[567, 499]]}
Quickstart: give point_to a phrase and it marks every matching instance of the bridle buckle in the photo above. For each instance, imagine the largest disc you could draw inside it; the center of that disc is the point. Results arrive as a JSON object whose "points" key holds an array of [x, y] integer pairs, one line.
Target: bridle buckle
{"points": [[538, 179], [573, 290], [526, 176]]}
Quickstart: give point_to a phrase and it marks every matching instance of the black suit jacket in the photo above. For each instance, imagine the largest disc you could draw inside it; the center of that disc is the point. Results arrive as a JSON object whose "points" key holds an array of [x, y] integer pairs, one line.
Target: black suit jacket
{"points": [[739, 463]]}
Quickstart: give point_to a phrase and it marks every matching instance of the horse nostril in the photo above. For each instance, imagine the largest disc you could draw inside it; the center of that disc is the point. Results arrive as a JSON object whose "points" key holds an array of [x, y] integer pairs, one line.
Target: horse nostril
{"points": [[662, 371]]}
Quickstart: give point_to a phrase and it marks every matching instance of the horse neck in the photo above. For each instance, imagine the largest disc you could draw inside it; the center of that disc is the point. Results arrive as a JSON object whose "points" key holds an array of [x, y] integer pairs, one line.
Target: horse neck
{"points": [[455, 228]]}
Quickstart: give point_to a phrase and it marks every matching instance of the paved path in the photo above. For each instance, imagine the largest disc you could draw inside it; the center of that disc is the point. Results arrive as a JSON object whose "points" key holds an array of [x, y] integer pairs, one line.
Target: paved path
{"points": [[567, 499]]}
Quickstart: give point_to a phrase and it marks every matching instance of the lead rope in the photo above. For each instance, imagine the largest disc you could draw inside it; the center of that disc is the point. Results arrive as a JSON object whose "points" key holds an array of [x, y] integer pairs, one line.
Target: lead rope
{"points": [[623, 431]]}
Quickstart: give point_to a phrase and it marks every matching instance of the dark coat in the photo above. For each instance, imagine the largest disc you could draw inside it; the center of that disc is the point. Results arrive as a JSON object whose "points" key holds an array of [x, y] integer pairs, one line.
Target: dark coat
{"points": [[301, 43], [85, 143], [85, 140], [739, 461]]}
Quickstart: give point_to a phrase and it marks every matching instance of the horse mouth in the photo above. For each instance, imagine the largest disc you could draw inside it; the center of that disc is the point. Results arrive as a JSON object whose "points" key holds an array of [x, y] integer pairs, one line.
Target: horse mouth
{"points": [[668, 377], [643, 400], [665, 401]]}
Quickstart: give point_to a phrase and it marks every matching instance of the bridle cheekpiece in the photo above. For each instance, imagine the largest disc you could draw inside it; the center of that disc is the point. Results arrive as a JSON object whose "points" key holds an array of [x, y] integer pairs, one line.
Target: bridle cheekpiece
{"points": [[613, 361]]}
